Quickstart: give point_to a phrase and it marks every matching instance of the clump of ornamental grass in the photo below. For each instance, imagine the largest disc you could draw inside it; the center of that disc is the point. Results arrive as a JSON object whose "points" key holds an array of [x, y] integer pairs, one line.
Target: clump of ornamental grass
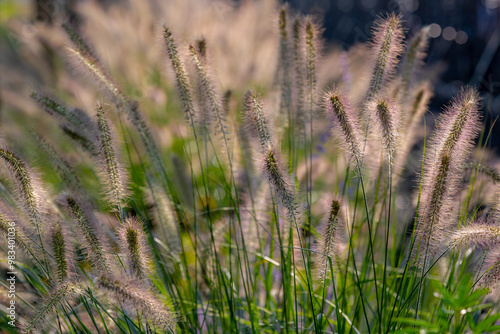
{"points": [[192, 237]]}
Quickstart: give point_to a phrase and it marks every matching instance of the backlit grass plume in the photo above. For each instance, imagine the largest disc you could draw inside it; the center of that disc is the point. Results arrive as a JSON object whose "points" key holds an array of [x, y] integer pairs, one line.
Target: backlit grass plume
{"points": [[331, 235], [27, 191], [413, 60], [87, 229], [214, 101], [134, 243], [345, 123], [89, 61], [386, 115], [482, 234], [59, 249], [387, 46], [113, 173], [451, 146], [142, 300], [181, 77], [45, 313]]}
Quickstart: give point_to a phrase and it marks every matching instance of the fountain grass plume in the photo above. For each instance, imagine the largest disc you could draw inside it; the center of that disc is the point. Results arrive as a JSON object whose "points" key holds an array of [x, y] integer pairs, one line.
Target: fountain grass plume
{"points": [[208, 91], [74, 117], [142, 300], [10, 226], [164, 215], [63, 167], [410, 121], [59, 250], [413, 60], [331, 235], [433, 213], [88, 231], [387, 46], [386, 116], [491, 266], [283, 75], [28, 191], [299, 75], [93, 67], [451, 146], [86, 143], [113, 173], [181, 77], [256, 120], [345, 122], [312, 45], [60, 295], [134, 242], [485, 234]]}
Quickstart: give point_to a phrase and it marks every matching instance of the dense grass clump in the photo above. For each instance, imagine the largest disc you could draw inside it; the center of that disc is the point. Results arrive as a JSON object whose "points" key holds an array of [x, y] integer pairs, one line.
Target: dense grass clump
{"points": [[274, 206]]}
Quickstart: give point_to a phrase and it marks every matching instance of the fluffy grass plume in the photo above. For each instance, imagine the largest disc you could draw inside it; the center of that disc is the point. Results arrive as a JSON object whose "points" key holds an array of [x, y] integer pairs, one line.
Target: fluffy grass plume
{"points": [[113, 175], [86, 229], [134, 243], [141, 300], [59, 249], [387, 46], [331, 236], [45, 313], [451, 146], [339, 110]]}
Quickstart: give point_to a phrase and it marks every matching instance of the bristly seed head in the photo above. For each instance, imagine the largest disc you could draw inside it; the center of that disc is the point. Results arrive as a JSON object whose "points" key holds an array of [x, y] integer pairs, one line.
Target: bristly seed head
{"points": [[387, 46], [58, 244], [113, 174], [134, 242], [332, 228], [346, 123], [257, 121]]}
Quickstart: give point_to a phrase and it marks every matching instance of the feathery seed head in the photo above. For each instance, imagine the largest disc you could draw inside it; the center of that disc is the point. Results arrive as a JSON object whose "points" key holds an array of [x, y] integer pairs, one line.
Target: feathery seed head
{"points": [[460, 124], [283, 23], [433, 211], [25, 184], [180, 75], [479, 233], [60, 294], [413, 60], [139, 299], [113, 173], [59, 249], [256, 120], [209, 96], [134, 241], [491, 276], [87, 144], [387, 46], [343, 119], [88, 230], [387, 120], [331, 235]]}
